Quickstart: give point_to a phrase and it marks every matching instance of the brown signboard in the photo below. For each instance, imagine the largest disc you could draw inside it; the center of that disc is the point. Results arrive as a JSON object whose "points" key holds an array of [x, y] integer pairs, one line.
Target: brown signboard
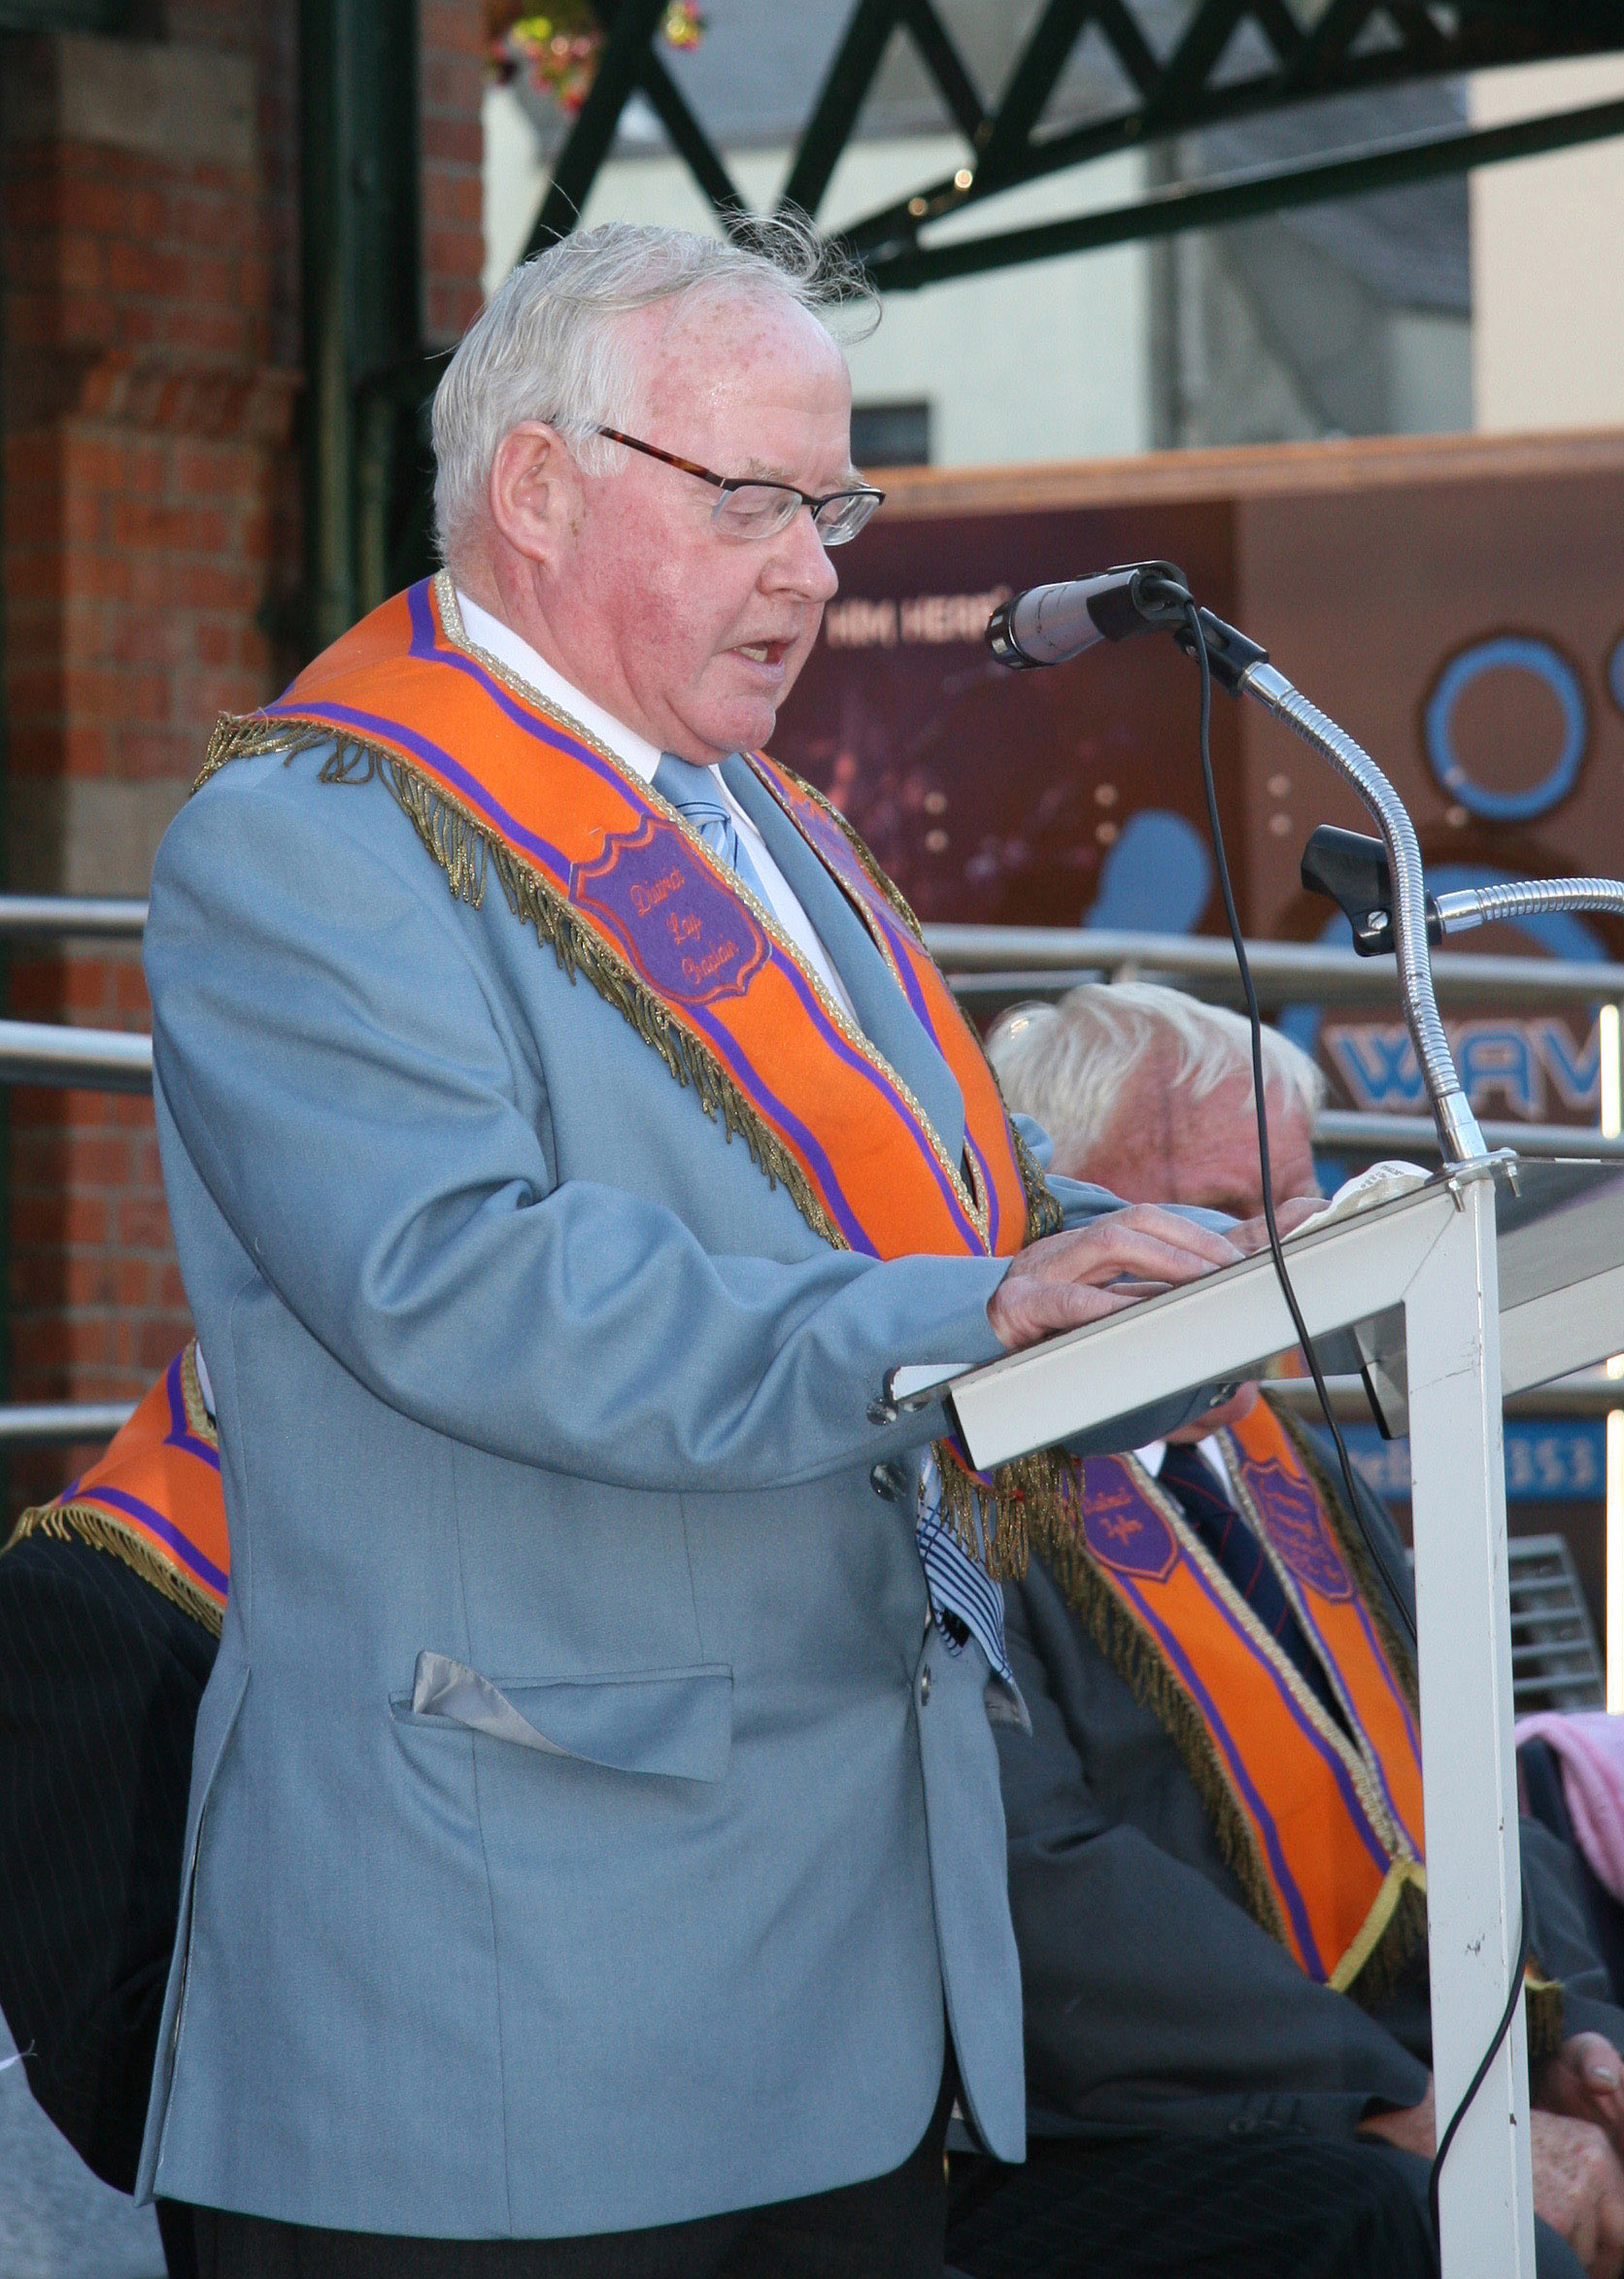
{"points": [[1456, 603]]}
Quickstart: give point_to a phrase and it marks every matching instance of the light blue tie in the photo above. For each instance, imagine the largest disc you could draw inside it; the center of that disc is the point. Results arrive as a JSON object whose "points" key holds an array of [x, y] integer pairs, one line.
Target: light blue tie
{"points": [[958, 1588], [696, 793]]}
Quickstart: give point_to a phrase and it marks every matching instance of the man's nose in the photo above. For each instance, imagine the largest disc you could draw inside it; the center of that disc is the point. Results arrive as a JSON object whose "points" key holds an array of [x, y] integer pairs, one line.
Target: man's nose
{"points": [[800, 561]]}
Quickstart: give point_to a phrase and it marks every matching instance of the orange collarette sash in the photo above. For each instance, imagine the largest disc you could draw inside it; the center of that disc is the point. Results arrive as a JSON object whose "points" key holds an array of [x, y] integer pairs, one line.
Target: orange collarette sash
{"points": [[625, 890], [154, 1498], [1321, 1824], [627, 894]]}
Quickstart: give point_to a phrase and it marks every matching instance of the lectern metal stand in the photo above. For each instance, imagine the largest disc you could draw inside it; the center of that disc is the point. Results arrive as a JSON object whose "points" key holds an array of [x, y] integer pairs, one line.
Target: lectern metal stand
{"points": [[1425, 1286]]}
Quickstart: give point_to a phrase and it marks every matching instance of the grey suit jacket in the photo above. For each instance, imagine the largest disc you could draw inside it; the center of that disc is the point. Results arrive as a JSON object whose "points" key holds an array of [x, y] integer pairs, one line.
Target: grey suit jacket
{"points": [[588, 1827], [1153, 2000]]}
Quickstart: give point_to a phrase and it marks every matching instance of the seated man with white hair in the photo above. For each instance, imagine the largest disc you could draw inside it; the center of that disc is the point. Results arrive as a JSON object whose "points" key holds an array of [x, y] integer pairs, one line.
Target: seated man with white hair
{"points": [[1215, 1840]]}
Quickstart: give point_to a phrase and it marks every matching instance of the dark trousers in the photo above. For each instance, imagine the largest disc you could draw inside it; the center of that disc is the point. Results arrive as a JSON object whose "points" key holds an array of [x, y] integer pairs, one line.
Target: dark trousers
{"points": [[1192, 2207], [100, 1678], [1195, 2207], [890, 2228]]}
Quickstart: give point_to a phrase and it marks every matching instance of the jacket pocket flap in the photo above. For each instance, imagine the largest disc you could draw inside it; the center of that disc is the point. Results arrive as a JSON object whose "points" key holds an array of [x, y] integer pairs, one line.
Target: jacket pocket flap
{"points": [[677, 1722]]}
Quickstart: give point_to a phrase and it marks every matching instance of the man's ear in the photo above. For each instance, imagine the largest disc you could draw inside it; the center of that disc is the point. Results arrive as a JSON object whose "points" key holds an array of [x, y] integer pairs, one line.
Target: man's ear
{"points": [[534, 493]]}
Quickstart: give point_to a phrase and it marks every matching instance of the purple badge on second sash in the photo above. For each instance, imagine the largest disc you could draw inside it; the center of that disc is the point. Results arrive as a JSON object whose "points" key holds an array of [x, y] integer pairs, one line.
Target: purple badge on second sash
{"points": [[1123, 1529], [688, 938], [1296, 1525]]}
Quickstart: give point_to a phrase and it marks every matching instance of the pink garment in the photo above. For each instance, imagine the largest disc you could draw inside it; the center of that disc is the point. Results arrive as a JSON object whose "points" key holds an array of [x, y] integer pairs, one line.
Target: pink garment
{"points": [[1589, 1747]]}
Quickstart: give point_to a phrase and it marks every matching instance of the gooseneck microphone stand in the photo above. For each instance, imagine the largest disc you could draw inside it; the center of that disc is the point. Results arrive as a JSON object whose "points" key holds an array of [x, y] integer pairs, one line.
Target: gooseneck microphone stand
{"points": [[1268, 686], [1436, 1318]]}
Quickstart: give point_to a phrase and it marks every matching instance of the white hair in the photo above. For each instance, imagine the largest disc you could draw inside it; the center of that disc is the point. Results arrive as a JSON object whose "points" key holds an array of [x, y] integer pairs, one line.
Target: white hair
{"points": [[1067, 1063], [549, 344]]}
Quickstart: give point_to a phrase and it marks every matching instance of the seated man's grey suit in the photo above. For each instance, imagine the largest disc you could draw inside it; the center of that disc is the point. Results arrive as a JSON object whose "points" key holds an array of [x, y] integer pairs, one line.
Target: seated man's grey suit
{"points": [[1156, 2006], [651, 1895]]}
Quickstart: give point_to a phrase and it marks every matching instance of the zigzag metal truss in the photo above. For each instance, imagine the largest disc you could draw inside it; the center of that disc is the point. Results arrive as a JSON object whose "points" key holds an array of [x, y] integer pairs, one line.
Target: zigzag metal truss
{"points": [[1300, 49]]}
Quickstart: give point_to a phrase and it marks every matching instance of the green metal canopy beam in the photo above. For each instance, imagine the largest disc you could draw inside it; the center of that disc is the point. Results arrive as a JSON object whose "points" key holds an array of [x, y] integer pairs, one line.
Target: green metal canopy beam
{"points": [[1337, 54], [1340, 47], [1240, 197], [360, 242]]}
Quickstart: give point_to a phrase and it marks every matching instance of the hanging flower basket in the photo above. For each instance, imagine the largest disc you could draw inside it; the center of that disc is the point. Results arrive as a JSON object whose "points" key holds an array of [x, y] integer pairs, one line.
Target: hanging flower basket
{"points": [[558, 50]]}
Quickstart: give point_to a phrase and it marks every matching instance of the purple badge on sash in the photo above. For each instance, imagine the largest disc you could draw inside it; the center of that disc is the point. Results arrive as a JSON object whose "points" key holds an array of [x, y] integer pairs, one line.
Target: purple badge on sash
{"points": [[688, 937], [1296, 1526], [1123, 1529]]}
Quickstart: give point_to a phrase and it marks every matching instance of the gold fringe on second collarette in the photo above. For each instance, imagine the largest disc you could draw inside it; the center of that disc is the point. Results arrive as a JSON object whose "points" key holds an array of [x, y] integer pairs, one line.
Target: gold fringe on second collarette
{"points": [[997, 1522], [88, 1524]]}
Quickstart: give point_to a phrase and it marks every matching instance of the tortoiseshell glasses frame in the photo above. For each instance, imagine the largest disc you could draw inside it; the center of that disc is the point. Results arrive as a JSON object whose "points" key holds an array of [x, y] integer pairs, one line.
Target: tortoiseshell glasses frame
{"points": [[749, 507]]}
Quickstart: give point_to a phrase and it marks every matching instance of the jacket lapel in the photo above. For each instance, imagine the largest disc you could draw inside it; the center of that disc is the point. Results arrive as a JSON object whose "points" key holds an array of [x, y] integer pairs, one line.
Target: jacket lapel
{"points": [[888, 1020]]}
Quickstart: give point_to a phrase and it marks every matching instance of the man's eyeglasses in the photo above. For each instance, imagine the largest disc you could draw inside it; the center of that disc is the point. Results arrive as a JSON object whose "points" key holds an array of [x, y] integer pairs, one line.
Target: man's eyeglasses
{"points": [[752, 509]]}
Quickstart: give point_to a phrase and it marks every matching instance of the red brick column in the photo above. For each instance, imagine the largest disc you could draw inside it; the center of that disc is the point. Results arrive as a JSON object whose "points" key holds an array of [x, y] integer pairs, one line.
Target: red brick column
{"points": [[151, 559], [451, 81]]}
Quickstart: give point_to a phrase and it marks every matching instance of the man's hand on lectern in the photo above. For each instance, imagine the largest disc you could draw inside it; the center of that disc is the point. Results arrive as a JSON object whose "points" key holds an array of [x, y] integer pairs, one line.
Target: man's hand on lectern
{"points": [[1067, 1280]]}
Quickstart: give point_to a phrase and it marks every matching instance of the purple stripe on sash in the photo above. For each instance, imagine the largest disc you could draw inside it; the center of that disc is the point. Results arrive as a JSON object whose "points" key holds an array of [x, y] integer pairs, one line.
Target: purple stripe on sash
{"points": [[892, 1099], [1304, 1613], [751, 1079], [989, 1188], [1396, 1691], [903, 952], [728, 1052], [180, 1434], [1304, 1725], [431, 647], [1296, 1906], [850, 872], [1392, 1685], [133, 1508]]}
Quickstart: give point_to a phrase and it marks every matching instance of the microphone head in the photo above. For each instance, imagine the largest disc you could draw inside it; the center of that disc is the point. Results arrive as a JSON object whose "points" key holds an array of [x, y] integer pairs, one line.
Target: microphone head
{"points": [[1049, 625]]}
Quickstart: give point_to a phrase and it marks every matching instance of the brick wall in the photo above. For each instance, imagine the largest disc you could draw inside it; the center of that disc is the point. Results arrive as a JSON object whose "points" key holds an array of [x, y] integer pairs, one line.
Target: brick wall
{"points": [[451, 81], [151, 559]]}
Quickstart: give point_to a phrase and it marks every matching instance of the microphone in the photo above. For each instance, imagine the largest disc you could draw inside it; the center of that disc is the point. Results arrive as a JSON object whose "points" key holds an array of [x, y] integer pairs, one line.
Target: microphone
{"points": [[1048, 625]]}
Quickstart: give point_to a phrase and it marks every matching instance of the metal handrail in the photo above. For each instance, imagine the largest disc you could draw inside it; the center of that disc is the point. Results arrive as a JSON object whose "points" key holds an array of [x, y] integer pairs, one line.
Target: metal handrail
{"points": [[50, 1052], [981, 960], [116, 1060], [58, 1423], [1343, 1128], [1588, 1392], [986, 961], [47, 917]]}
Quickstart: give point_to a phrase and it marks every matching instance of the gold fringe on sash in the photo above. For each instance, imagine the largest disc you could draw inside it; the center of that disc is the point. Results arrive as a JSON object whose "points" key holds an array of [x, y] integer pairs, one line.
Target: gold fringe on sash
{"points": [[997, 1522], [1113, 1631], [1393, 1932], [104, 1533]]}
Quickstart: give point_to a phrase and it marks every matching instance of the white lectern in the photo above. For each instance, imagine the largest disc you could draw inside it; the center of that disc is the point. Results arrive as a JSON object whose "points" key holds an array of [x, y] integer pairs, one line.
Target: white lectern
{"points": [[1492, 1277]]}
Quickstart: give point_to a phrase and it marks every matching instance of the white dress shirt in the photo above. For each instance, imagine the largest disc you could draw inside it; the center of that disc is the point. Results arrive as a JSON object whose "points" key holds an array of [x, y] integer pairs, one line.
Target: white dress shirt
{"points": [[511, 649], [1211, 1450]]}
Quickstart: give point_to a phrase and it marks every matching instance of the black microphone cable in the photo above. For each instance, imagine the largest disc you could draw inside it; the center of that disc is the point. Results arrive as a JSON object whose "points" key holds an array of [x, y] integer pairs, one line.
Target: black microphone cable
{"points": [[1198, 634], [1401, 1599]]}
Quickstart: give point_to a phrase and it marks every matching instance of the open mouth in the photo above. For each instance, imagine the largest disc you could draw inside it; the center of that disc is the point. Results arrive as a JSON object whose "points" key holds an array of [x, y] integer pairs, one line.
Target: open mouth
{"points": [[765, 652]]}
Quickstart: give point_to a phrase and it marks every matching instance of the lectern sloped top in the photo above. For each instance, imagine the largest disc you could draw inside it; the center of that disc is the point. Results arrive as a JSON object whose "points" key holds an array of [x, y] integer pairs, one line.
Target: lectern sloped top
{"points": [[1560, 1228]]}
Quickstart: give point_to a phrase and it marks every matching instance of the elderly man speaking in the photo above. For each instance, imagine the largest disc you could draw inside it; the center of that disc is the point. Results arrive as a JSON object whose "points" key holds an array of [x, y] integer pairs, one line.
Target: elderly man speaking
{"points": [[595, 1859]]}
